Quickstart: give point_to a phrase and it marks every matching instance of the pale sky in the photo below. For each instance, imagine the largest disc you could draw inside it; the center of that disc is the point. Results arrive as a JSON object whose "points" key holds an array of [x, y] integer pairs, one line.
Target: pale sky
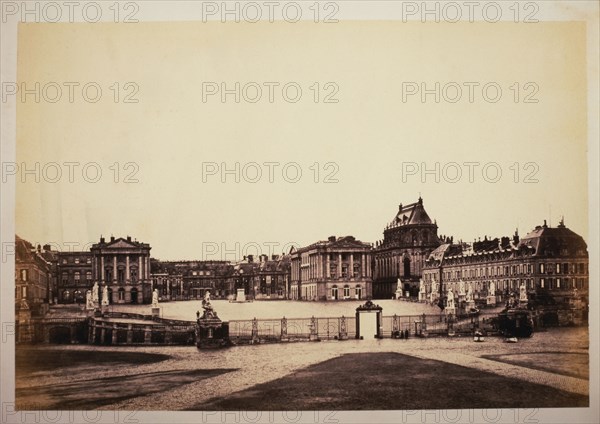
{"points": [[369, 133]]}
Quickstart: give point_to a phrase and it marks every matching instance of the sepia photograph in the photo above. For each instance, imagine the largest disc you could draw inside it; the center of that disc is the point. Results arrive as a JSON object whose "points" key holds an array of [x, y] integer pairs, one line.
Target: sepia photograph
{"points": [[300, 211]]}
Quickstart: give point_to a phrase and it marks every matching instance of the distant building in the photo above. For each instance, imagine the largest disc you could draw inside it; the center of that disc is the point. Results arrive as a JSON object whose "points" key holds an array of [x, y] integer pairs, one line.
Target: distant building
{"points": [[550, 260], [33, 277], [408, 240], [74, 276], [336, 269], [124, 266]]}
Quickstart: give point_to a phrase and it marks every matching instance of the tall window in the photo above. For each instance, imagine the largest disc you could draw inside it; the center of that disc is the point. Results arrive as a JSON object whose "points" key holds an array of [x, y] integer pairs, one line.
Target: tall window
{"points": [[542, 269], [23, 275], [346, 291], [558, 268], [358, 292], [88, 275], [77, 276]]}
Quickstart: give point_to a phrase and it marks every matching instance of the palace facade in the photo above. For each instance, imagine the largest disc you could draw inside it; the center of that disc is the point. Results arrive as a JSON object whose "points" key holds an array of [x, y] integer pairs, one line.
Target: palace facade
{"points": [[336, 269], [551, 260], [123, 265], [408, 240]]}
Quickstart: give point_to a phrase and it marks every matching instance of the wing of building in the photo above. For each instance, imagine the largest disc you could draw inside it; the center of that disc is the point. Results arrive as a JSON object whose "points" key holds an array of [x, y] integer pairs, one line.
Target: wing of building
{"points": [[335, 269], [550, 261]]}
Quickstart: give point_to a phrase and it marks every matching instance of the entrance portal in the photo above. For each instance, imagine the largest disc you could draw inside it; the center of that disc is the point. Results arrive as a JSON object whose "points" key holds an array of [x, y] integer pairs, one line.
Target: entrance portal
{"points": [[368, 321]]}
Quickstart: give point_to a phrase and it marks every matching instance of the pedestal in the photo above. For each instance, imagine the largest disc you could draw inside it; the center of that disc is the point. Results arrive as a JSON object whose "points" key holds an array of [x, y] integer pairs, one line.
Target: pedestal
{"points": [[155, 312], [491, 300], [212, 333]]}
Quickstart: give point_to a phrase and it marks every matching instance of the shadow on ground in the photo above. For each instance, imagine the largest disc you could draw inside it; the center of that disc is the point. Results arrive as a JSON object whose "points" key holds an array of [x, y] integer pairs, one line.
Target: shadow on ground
{"points": [[391, 381]]}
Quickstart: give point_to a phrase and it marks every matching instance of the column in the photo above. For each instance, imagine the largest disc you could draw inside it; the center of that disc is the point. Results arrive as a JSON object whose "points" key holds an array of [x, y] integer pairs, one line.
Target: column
{"points": [[127, 275], [102, 268], [114, 268], [147, 259], [140, 273], [339, 265], [327, 265], [363, 269], [351, 265]]}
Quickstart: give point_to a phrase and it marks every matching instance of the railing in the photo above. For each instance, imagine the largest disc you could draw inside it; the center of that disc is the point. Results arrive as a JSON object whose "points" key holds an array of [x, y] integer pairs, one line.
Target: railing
{"points": [[292, 329]]}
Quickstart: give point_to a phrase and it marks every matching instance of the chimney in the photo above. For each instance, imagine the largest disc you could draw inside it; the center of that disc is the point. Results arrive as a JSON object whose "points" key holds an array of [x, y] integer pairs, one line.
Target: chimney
{"points": [[399, 207], [331, 238], [101, 239], [128, 238], [545, 225], [250, 258], [112, 238], [274, 257], [47, 248]]}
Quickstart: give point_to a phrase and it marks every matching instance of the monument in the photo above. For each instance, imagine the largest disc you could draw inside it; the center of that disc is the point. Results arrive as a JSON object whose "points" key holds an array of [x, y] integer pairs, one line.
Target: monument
{"points": [[211, 332], [89, 303], [491, 298], [422, 291], [450, 304], [105, 300], [469, 299], [95, 295], [523, 295], [461, 288], [155, 307], [435, 293], [399, 288]]}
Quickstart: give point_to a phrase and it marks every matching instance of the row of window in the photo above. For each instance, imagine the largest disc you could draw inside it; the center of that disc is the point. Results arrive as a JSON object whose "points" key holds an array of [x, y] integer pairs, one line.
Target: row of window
{"points": [[519, 269]]}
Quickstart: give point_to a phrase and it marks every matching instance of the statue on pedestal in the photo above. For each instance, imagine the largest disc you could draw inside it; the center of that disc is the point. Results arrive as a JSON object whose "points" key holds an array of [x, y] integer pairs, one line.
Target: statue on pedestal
{"points": [[422, 291], [95, 294], [105, 296], [450, 302], [523, 294], [155, 298], [89, 303], [470, 295], [461, 288], [209, 312]]}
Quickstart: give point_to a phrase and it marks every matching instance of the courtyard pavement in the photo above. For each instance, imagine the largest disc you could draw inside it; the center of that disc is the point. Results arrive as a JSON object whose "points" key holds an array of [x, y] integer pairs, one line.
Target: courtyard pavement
{"points": [[258, 364]]}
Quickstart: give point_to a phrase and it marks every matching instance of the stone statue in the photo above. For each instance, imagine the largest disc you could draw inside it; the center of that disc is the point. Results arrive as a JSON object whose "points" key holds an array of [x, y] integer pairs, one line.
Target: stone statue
{"points": [[450, 302], [89, 303], [155, 298], [492, 288], [470, 294], [105, 296], [461, 288], [523, 293], [421, 286], [208, 309], [95, 293]]}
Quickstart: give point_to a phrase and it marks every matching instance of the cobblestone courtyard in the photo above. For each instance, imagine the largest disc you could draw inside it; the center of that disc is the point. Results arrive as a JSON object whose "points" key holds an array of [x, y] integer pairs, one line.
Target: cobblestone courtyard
{"points": [[190, 378]]}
